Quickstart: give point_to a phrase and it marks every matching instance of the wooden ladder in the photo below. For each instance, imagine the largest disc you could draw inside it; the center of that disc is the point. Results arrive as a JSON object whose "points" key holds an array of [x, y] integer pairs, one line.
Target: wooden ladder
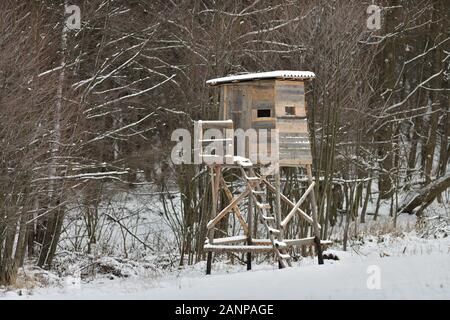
{"points": [[227, 141], [258, 194]]}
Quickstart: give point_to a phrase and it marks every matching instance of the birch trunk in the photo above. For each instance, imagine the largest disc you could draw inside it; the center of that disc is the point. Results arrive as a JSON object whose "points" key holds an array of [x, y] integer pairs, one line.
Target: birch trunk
{"points": [[52, 225]]}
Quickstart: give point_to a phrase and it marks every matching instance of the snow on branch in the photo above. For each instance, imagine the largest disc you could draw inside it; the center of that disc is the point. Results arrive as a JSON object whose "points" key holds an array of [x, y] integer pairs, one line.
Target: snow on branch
{"points": [[129, 96]]}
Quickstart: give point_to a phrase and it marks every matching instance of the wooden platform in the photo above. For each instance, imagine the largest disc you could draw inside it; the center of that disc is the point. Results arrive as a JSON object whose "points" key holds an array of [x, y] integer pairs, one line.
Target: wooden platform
{"points": [[258, 245]]}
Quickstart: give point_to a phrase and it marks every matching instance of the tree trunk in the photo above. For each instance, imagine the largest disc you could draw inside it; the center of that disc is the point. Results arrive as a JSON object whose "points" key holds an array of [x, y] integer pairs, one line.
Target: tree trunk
{"points": [[424, 197]]}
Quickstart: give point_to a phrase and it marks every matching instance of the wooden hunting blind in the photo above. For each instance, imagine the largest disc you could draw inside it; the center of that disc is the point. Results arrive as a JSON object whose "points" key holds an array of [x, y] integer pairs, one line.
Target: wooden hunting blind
{"points": [[268, 100]]}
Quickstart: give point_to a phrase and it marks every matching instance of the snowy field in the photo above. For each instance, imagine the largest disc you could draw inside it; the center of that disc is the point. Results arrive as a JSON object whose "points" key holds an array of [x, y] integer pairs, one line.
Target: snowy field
{"points": [[409, 268], [410, 261], [416, 277]]}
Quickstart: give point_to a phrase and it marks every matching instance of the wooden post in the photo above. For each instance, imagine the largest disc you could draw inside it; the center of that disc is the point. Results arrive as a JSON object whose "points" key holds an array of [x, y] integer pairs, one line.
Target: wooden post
{"points": [[312, 196], [212, 214], [249, 234], [215, 183], [198, 146], [278, 207]]}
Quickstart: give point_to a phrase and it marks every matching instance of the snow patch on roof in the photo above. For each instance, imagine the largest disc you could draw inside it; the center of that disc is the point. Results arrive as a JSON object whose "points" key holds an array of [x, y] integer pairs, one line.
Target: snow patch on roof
{"points": [[284, 74]]}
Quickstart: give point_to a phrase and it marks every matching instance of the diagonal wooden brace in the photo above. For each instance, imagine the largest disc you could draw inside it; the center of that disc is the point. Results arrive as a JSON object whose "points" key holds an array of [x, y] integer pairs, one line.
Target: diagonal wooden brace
{"points": [[227, 209], [236, 210], [290, 203], [297, 205]]}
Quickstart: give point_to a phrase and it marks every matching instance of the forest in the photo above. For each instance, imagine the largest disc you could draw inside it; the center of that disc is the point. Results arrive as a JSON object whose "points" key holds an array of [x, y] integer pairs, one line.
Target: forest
{"points": [[87, 114]]}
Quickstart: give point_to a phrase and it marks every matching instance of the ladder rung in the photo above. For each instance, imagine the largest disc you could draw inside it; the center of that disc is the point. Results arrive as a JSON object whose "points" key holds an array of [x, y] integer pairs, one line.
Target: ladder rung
{"points": [[263, 205], [216, 124], [274, 231], [259, 192], [215, 140], [280, 244], [215, 156], [244, 162], [268, 218], [210, 156], [285, 256]]}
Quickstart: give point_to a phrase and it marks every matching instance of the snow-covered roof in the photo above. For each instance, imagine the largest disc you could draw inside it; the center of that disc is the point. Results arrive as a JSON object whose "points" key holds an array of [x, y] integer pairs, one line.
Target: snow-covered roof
{"points": [[283, 74]]}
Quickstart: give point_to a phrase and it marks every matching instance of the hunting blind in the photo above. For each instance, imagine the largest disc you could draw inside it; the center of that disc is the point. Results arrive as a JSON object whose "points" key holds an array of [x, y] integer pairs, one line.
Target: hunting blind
{"points": [[268, 100]]}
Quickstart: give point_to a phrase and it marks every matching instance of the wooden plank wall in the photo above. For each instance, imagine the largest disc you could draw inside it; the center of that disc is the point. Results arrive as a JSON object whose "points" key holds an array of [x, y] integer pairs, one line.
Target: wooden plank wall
{"points": [[240, 102], [263, 99], [295, 147], [236, 102]]}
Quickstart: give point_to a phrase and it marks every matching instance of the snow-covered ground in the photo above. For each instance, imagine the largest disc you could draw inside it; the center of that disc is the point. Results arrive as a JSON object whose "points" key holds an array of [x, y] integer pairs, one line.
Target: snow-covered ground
{"points": [[411, 261], [408, 267], [414, 277]]}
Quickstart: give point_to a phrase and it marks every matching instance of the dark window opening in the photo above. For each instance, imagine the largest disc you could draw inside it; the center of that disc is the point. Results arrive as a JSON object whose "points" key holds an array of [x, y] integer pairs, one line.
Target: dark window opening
{"points": [[290, 111], [264, 113]]}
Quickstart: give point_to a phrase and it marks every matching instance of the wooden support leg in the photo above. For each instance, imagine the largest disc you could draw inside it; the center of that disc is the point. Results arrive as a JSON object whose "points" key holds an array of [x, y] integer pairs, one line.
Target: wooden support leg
{"points": [[215, 183], [209, 263], [318, 249], [278, 209], [315, 217], [249, 231]]}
